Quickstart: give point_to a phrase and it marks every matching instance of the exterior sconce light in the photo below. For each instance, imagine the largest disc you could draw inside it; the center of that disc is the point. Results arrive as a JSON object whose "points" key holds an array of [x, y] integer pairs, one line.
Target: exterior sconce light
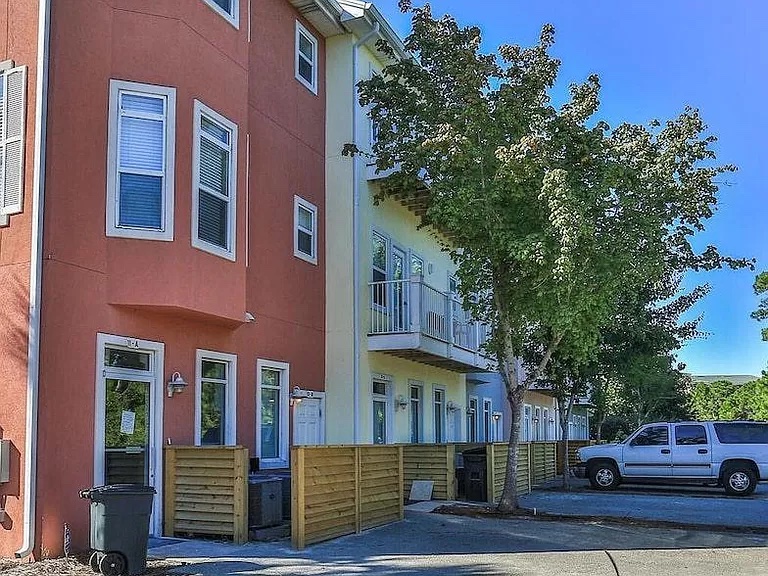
{"points": [[402, 402], [452, 406], [496, 416], [176, 384]]}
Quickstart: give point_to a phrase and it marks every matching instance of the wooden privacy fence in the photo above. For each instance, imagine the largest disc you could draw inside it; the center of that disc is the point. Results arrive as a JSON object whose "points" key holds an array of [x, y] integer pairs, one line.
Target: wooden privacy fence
{"points": [[573, 445], [535, 465], [339, 490], [206, 491]]}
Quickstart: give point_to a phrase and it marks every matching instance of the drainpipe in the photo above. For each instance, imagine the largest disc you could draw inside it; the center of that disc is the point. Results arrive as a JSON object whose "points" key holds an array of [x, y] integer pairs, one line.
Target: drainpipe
{"points": [[356, 235], [35, 278]]}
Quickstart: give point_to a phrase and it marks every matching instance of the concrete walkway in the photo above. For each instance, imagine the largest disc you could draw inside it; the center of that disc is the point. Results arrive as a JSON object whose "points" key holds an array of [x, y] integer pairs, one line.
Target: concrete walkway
{"points": [[694, 506], [436, 544]]}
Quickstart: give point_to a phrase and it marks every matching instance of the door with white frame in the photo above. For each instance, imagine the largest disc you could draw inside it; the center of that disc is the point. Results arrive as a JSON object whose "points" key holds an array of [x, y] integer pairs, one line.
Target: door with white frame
{"points": [[273, 381], [129, 415], [381, 404], [398, 275], [308, 420]]}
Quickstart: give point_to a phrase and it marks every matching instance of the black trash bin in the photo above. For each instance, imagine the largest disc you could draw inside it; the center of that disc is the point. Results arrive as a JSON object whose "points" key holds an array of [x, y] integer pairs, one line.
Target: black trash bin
{"points": [[119, 527]]}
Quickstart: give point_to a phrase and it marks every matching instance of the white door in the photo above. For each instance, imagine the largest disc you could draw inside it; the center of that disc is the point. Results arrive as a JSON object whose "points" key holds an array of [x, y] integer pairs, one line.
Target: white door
{"points": [[308, 422]]}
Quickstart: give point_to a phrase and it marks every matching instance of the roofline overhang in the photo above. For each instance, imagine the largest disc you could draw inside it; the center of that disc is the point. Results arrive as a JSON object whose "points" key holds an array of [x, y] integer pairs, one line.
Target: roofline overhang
{"points": [[360, 18]]}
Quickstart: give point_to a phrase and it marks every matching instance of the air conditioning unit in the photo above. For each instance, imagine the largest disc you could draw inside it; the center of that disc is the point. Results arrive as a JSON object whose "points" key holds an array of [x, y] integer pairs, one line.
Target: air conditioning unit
{"points": [[265, 502]]}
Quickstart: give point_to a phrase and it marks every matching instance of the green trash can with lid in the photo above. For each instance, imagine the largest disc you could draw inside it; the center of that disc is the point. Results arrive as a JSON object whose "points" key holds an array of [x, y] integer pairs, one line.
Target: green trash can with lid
{"points": [[119, 528]]}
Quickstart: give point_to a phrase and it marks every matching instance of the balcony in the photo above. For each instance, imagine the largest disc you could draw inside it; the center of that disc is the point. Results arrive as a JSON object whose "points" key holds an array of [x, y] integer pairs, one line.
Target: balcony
{"points": [[412, 320]]}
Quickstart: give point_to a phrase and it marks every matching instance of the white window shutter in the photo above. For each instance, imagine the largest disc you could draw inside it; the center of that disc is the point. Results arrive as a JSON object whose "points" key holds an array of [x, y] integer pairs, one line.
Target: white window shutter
{"points": [[14, 121]]}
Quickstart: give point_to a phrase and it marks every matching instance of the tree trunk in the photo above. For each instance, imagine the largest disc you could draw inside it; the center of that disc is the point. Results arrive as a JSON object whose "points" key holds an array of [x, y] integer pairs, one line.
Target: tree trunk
{"points": [[564, 410], [508, 501]]}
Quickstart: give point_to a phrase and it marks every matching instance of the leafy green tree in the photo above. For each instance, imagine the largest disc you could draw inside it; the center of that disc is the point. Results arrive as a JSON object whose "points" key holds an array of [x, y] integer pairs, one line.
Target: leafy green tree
{"points": [[707, 399], [761, 288], [550, 216], [724, 400]]}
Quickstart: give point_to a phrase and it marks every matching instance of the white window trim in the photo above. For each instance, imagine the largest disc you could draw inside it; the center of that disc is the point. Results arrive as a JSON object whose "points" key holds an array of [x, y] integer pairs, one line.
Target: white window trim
{"points": [[420, 402], [299, 202], [115, 88], [436, 388], [201, 110], [284, 367], [315, 57], [230, 418], [525, 432], [233, 18], [477, 407], [487, 402], [157, 349], [388, 382]]}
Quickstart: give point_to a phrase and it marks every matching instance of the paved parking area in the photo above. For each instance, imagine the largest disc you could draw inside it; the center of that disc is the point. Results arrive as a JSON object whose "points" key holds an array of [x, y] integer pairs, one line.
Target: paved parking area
{"points": [[435, 544], [685, 505]]}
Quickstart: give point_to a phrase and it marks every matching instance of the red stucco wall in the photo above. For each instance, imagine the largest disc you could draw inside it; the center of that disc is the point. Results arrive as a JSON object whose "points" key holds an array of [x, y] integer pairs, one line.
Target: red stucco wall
{"points": [[168, 291]]}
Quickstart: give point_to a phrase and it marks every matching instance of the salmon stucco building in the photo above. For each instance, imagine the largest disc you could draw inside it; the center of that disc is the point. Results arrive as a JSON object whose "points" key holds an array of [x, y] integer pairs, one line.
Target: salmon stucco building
{"points": [[162, 224]]}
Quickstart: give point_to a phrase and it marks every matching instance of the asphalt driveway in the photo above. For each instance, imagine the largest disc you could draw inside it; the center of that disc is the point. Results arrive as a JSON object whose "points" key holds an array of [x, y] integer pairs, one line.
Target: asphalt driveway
{"points": [[436, 544], [686, 505]]}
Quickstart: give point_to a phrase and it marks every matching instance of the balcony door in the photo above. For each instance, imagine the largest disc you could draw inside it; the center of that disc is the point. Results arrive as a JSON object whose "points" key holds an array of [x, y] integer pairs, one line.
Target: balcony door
{"points": [[398, 275]]}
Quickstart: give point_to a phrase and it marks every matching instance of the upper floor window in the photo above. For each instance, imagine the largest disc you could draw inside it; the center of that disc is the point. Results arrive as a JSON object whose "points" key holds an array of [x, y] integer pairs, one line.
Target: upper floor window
{"points": [[306, 58], [13, 91], [140, 161], [213, 187], [305, 230], [229, 9]]}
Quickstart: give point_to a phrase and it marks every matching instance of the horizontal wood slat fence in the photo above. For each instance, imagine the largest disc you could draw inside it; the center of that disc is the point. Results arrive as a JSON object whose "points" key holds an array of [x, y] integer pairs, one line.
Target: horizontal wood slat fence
{"points": [[206, 491], [573, 445], [535, 465], [339, 490]]}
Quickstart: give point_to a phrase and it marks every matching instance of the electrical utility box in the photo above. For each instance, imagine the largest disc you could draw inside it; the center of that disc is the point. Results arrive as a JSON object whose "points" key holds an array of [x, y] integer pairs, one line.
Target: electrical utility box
{"points": [[5, 461], [265, 501]]}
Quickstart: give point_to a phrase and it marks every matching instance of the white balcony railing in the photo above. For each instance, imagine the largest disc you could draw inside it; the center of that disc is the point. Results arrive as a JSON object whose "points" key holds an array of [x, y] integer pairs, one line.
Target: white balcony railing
{"points": [[411, 306]]}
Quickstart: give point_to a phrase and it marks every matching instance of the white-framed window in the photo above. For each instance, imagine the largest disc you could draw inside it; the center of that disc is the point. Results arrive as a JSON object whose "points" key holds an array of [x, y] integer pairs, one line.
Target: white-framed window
{"points": [[272, 410], [527, 432], [545, 424], [140, 160], [379, 259], [417, 265], [536, 423], [228, 9], [215, 398], [13, 108], [380, 394], [487, 420], [304, 230], [306, 58], [438, 403], [498, 426], [214, 178], [416, 410], [472, 419]]}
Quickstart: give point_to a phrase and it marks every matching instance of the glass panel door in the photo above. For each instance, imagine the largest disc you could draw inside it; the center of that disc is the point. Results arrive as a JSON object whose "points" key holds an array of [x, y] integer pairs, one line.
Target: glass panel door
{"points": [[127, 431], [399, 264], [379, 421]]}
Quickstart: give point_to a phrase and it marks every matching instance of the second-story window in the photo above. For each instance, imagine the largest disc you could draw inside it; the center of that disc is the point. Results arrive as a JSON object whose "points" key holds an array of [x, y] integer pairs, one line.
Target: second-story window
{"points": [[140, 161], [213, 186], [13, 91], [306, 58], [229, 9], [305, 230]]}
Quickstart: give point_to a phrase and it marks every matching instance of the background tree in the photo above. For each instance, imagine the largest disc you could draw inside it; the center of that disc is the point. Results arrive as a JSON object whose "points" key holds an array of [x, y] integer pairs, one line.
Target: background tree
{"points": [[550, 216], [761, 288], [724, 400]]}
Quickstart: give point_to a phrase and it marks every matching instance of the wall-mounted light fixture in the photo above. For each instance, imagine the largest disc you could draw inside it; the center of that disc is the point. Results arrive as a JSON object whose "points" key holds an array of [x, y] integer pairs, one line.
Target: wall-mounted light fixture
{"points": [[497, 416], [176, 384], [452, 406], [402, 402]]}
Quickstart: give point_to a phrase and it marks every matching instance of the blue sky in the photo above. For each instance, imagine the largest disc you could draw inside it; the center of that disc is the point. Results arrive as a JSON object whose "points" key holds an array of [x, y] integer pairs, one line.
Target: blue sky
{"points": [[653, 58]]}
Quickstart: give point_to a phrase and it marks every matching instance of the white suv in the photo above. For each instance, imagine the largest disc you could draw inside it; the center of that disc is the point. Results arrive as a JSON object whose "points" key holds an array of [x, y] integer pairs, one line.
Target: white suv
{"points": [[733, 455]]}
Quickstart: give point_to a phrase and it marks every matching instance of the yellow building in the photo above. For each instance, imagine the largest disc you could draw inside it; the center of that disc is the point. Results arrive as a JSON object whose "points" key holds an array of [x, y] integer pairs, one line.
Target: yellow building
{"points": [[398, 344]]}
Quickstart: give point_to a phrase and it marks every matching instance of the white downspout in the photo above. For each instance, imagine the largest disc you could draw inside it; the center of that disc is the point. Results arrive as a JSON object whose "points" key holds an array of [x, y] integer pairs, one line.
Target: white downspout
{"points": [[35, 277], [356, 236]]}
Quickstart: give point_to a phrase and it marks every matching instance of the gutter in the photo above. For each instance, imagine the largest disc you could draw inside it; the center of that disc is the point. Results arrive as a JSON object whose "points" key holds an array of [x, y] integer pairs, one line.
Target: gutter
{"points": [[35, 279], [356, 235]]}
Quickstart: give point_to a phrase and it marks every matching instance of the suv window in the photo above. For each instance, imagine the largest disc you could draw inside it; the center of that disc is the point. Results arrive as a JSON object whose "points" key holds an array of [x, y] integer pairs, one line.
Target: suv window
{"points": [[690, 434], [652, 436], [742, 433]]}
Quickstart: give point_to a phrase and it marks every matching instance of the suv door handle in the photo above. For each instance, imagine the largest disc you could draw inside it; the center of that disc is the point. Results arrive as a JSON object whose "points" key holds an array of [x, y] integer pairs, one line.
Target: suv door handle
{"points": [[703, 450], [665, 450]]}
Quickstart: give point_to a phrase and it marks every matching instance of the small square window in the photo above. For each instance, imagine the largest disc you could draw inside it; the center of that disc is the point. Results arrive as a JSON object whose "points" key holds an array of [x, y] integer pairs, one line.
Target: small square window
{"points": [[305, 230], [228, 9], [306, 58]]}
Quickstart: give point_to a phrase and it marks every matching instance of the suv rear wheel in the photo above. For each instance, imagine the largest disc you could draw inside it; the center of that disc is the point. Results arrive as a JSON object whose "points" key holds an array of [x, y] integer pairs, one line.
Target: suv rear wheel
{"points": [[739, 480], [604, 475]]}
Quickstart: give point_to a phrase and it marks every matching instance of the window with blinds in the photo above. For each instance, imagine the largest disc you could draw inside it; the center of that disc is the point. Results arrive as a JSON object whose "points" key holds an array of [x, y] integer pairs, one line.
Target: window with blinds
{"points": [[306, 58], [13, 90], [140, 161], [214, 174]]}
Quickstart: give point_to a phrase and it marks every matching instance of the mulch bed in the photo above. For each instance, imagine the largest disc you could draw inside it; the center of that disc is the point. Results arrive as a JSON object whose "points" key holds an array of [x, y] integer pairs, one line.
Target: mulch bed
{"points": [[77, 566]]}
